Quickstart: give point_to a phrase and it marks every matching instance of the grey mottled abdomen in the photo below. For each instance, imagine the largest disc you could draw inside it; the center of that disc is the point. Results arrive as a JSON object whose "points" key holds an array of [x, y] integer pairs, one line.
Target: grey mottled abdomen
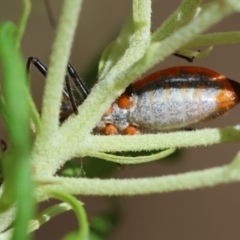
{"points": [[173, 108]]}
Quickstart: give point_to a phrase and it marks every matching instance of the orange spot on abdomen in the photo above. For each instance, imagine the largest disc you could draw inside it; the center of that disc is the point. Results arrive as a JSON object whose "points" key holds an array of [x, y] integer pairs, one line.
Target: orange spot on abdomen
{"points": [[131, 130], [125, 101], [111, 129]]}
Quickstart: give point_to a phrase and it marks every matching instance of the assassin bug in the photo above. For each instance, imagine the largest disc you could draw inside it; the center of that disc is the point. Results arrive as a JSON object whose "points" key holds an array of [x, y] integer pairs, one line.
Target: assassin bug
{"points": [[169, 99]]}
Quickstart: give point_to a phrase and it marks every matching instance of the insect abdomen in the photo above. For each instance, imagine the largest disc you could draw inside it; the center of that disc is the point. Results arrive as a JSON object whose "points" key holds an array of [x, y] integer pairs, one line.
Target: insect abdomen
{"points": [[170, 99], [180, 96]]}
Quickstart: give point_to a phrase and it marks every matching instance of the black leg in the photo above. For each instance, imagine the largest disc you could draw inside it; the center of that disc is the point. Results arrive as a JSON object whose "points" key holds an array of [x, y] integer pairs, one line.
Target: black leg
{"points": [[36, 62], [67, 93], [71, 97], [189, 59], [43, 70], [77, 81]]}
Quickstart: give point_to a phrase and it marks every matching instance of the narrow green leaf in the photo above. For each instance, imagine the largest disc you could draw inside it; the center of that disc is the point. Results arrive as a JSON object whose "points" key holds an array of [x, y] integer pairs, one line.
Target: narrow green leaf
{"points": [[48, 214], [183, 14], [18, 185], [77, 206], [135, 159]]}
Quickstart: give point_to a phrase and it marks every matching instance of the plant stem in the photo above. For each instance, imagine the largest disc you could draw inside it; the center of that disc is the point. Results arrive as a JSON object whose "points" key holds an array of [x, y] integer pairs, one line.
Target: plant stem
{"points": [[112, 187], [57, 68]]}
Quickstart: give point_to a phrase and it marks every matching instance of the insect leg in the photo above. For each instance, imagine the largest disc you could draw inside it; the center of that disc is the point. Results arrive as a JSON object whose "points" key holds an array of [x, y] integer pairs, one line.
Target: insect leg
{"points": [[71, 97], [189, 59], [77, 81], [43, 70], [36, 62]]}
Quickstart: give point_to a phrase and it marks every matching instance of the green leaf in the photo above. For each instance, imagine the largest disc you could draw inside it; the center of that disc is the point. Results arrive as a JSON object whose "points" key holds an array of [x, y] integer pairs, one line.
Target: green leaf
{"points": [[135, 157], [18, 185], [77, 206]]}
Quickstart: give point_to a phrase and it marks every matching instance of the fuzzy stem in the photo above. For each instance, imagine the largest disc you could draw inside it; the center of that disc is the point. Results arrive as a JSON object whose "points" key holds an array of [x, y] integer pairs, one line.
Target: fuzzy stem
{"points": [[54, 82], [183, 181], [57, 68], [203, 137]]}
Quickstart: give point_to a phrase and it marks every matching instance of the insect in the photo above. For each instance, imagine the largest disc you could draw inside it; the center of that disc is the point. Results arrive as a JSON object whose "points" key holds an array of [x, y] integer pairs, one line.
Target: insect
{"points": [[168, 99]]}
